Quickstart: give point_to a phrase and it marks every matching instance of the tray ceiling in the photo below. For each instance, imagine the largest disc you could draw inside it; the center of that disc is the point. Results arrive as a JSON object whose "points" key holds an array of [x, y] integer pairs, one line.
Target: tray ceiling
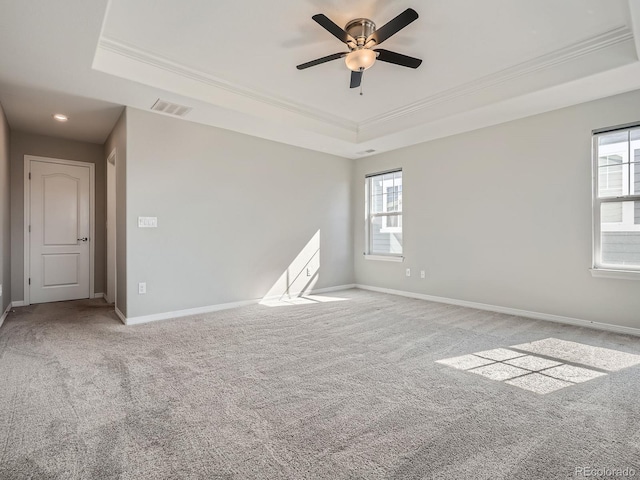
{"points": [[233, 63]]}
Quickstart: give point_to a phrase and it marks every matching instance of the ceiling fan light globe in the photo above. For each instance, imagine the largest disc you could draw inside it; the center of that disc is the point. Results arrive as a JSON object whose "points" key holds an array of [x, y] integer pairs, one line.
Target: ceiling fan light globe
{"points": [[360, 60]]}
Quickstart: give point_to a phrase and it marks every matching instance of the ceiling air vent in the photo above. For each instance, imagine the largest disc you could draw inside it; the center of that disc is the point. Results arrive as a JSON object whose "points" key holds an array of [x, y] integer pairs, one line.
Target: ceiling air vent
{"points": [[365, 152], [170, 108]]}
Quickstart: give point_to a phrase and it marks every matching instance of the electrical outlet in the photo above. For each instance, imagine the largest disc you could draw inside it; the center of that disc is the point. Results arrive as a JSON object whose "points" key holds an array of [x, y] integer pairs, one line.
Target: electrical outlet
{"points": [[422, 274], [142, 288], [408, 272]]}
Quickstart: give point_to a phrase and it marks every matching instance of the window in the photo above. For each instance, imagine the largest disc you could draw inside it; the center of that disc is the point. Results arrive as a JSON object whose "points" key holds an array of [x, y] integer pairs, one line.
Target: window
{"points": [[616, 199], [384, 214]]}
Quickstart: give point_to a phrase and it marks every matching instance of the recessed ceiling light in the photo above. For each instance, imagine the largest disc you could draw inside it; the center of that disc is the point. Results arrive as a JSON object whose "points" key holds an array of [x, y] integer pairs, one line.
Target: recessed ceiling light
{"points": [[60, 117]]}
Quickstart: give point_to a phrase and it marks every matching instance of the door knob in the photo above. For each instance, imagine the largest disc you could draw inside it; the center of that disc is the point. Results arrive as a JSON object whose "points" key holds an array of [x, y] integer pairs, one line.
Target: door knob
{"points": [[83, 239]]}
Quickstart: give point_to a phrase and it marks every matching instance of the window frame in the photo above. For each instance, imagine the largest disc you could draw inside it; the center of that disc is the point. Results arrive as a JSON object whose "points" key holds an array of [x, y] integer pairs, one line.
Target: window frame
{"points": [[369, 254], [599, 268]]}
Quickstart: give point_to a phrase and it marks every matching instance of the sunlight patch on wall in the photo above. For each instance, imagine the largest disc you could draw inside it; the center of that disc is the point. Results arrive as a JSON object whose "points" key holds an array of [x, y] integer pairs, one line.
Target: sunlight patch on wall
{"points": [[297, 281], [546, 371]]}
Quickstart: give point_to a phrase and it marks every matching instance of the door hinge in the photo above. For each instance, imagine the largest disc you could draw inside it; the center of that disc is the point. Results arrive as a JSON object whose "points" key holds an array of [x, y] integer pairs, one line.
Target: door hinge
{"points": [[29, 228], [29, 175], [29, 281]]}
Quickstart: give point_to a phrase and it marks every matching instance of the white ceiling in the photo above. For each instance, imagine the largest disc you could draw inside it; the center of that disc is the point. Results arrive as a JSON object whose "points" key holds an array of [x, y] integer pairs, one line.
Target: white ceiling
{"points": [[234, 63]]}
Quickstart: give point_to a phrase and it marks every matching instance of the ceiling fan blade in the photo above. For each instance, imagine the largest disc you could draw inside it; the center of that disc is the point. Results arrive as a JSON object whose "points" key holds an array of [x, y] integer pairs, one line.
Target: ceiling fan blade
{"points": [[318, 61], [356, 79], [397, 58], [333, 29], [393, 26]]}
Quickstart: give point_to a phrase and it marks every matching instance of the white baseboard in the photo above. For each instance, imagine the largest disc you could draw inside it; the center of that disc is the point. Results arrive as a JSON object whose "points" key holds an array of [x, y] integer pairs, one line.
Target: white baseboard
{"points": [[4, 315], [510, 311], [99, 295], [303, 293], [121, 316], [331, 289], [214, 308], [185, 313]]}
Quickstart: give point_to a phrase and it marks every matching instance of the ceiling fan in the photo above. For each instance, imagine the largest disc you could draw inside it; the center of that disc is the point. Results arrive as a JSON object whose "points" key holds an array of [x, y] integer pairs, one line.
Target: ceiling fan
{"points": [[361, 36]]}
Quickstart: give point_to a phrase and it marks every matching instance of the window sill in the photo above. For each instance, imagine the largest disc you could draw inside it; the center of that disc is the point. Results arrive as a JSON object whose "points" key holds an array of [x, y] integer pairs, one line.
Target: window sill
{"points": [[619, 274], [385, 258]]}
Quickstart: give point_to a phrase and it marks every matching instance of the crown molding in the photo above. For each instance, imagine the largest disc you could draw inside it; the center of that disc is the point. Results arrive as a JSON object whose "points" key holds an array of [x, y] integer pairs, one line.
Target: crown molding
{"points": [[597, 44], [140, 55], [588, 46]]}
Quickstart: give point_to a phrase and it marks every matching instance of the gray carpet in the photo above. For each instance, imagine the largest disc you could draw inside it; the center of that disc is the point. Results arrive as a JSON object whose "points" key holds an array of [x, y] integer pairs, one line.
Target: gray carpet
{"points": [[348, 389]]}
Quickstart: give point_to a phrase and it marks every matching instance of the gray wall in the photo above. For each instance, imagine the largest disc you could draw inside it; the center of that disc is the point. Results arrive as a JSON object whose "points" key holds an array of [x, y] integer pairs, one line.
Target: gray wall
{"points": [[30, 144], [118, 140], [233, 212], [502, 216], [5, 214]]}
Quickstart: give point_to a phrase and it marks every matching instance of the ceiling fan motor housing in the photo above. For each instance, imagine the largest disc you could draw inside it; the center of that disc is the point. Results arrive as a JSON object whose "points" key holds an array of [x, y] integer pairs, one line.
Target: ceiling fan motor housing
{"points": [[360, 29]]}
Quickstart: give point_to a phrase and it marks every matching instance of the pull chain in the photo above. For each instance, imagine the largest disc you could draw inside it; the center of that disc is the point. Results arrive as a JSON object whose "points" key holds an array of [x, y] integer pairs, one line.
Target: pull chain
{"points": [[361, 78]]}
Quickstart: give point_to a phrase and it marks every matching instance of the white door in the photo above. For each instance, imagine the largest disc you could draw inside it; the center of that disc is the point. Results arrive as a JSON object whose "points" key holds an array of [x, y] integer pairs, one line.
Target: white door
{"points": [[60, 227]]}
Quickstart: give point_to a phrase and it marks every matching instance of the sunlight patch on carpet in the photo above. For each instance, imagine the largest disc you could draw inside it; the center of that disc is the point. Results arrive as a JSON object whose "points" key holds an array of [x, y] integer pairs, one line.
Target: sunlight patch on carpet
{"points": [[597, 357], [538, 383], [465, 362], [499, 354], [304, 300], [549, 369], [499, 371]]}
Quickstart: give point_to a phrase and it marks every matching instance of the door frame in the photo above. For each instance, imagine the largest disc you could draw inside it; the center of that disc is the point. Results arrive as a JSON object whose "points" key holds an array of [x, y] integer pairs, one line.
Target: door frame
{"points": [[27, 218], [112, 159]]}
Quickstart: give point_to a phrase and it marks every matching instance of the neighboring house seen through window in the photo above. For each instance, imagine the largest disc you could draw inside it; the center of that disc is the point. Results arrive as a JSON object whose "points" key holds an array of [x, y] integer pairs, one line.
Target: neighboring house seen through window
{"points": [[384, 213], [616, 199]]}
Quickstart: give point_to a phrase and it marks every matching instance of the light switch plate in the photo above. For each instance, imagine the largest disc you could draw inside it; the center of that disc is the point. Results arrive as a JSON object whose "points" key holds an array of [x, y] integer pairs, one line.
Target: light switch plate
{"points": [[408, 272], [147, 222]]}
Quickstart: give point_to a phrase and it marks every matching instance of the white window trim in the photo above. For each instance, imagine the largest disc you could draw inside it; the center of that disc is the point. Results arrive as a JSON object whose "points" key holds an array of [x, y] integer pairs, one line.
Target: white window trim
{"points": [[384, 258], [390, 257], [599, 269], [618, 274]]}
